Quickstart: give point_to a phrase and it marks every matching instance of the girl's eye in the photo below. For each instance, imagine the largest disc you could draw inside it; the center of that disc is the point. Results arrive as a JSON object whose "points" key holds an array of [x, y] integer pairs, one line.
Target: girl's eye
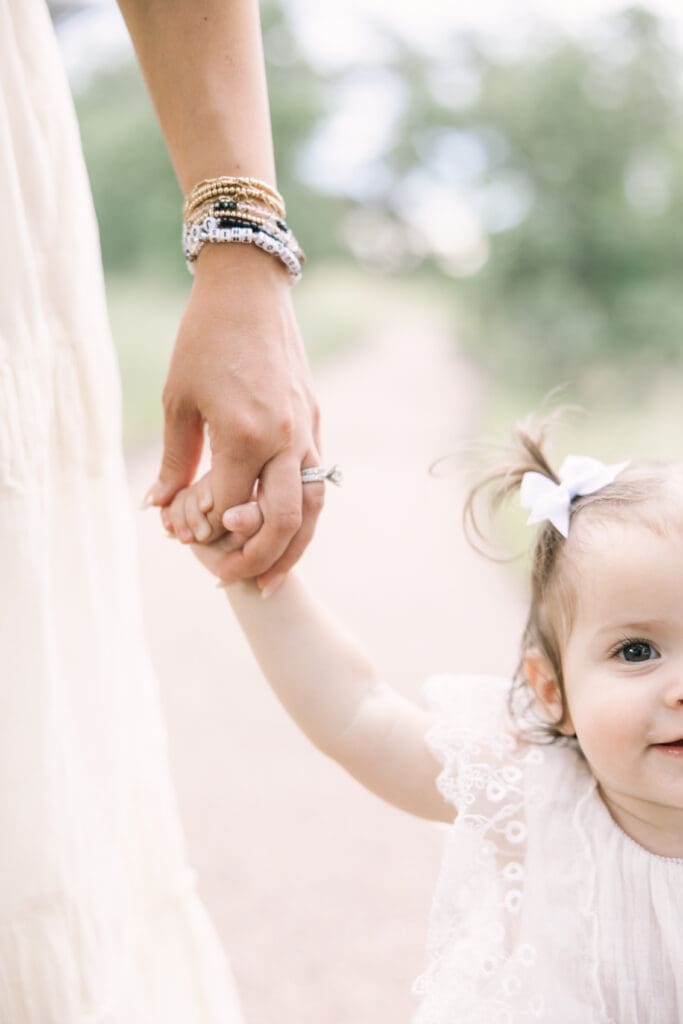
{"points": [[637, 650]]}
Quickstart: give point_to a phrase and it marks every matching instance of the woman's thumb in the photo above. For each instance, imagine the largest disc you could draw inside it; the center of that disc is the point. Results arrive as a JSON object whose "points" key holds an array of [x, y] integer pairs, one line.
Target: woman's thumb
{"points": [[183, 439]]}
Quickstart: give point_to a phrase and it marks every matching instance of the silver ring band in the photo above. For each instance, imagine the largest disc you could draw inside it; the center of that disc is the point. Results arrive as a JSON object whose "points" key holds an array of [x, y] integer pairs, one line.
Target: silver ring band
{"points": [[319, 474]]}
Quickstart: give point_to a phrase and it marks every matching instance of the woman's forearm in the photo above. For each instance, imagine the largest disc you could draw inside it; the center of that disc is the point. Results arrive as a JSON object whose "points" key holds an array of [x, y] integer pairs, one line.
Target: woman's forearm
{"points": [[203, 64]]}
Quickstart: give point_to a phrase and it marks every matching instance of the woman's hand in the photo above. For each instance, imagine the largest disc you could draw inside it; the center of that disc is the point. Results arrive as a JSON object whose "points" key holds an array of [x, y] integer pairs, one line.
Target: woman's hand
{"points": [[239, 366]]}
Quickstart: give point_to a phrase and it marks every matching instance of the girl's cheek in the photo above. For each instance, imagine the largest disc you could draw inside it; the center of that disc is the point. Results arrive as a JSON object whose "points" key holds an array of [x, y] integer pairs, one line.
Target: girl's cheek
{"points": [[611, 728]]}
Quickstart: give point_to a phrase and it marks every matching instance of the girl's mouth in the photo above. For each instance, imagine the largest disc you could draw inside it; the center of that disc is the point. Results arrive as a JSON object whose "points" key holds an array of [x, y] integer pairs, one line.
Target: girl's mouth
{"points": [[672, 747]]}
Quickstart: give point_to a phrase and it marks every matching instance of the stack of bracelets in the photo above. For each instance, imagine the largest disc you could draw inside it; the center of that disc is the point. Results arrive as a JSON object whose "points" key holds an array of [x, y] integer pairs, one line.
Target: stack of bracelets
{"points": [[239, 210]]}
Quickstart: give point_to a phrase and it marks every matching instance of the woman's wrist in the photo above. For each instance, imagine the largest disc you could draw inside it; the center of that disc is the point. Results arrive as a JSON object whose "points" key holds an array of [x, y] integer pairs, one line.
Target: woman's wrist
{"points": [[218, 260]]}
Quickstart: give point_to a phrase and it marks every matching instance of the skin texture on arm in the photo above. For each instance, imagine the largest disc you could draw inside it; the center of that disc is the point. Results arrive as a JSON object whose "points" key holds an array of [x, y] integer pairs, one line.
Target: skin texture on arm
{"points": [[330, 689], [238, 364], [203, 64]]}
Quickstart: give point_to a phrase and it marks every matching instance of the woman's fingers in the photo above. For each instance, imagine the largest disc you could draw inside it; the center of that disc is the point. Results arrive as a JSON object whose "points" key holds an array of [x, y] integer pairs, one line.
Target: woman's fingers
{"points": [[183, 440], [266, 538], [313, 500], [280, 500], [245, 520]]}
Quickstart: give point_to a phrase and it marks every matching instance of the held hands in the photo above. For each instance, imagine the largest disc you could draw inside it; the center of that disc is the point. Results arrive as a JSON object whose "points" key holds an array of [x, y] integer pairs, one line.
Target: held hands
{"points": [[240, 367], [185, 518]]}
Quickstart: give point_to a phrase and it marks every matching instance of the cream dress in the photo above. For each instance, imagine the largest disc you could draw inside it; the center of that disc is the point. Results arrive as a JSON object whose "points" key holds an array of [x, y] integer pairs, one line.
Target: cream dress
{"points": [[100, 922], [545, 909]]}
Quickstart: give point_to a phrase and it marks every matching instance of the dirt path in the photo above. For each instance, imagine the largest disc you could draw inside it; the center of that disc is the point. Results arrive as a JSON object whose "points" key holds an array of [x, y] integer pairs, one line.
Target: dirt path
{"points": [[319, 891]]}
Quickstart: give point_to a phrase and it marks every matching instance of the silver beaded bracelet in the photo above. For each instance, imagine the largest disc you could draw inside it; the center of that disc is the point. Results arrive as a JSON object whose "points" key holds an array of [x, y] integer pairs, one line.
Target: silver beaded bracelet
{"points": [[272, 236]]}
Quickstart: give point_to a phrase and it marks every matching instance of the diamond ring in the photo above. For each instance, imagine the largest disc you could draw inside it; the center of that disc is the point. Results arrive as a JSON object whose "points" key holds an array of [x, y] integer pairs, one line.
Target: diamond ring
{"points": [[319, 474]]}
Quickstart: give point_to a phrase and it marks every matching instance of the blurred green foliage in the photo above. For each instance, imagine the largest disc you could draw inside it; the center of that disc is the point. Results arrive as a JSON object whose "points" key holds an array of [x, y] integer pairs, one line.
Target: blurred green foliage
{"points": [[573, 159], [569, 153]]}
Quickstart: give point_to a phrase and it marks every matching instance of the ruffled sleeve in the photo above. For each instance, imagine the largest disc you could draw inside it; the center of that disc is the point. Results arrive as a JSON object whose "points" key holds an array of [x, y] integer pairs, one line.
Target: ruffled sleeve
{"points": [[476, 957], [472, 736], [505, 944]]}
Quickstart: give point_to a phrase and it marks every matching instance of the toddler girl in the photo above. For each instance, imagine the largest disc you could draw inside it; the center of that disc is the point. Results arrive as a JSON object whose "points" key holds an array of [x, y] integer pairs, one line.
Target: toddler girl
{"points": [[561, 892]]}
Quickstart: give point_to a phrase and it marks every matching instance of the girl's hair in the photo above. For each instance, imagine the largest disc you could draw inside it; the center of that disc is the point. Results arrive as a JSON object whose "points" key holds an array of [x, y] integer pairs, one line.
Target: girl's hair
{"points": [[553, 576]]}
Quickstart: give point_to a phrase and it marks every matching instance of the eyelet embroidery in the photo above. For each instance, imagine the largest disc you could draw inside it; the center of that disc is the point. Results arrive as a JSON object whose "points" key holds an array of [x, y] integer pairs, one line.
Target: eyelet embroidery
{"points": [[484, 777], [481, 966]]}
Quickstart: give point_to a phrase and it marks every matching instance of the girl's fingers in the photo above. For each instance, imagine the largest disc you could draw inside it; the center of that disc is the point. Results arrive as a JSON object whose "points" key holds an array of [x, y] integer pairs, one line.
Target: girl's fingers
{"points": [[204, 493], [194, 517], [166, 521], [176, 511], [185, 518]]}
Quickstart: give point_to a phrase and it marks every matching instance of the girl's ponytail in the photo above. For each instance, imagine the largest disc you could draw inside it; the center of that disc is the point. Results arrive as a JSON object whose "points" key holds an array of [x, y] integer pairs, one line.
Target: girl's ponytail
{"points": [[527, 453]]}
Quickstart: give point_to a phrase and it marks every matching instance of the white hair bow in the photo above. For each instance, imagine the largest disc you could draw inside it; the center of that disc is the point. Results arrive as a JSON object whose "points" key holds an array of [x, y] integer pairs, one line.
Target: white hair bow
{"points": [[579, 475]]}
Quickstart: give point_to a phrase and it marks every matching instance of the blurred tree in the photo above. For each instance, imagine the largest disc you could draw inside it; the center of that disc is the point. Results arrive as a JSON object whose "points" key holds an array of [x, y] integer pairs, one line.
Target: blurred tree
{"points": [[572, 159]]}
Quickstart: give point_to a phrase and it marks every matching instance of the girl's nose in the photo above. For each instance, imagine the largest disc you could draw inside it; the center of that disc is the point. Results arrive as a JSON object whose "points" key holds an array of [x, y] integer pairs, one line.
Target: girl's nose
{"points": [[673, 691]]}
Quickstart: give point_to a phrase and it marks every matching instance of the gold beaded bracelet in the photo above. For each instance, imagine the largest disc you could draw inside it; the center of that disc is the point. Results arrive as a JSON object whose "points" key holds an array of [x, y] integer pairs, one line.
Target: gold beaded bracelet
{"points": [[239, 188], [263, 186], [237, 196]]}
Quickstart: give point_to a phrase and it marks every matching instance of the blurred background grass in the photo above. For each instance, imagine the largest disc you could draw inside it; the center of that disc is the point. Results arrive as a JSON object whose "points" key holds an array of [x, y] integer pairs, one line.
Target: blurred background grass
{"points": [[528, 189]]}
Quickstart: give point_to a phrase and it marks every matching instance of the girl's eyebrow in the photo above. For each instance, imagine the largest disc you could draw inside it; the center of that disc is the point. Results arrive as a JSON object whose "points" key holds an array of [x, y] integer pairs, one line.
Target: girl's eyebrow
{"points": [[634, 626]]}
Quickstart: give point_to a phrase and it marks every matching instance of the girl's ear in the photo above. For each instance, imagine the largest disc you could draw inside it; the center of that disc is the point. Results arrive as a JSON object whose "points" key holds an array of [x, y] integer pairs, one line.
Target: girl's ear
{"points": [[542, 679]]}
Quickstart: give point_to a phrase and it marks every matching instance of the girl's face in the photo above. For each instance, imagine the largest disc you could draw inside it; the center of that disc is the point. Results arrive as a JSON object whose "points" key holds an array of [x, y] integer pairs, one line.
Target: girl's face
{"points": [[623, 674]]}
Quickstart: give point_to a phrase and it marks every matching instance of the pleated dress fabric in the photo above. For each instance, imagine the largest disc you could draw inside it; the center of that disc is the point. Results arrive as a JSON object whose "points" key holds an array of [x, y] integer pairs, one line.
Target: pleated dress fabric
{"points": [[100, 922]]}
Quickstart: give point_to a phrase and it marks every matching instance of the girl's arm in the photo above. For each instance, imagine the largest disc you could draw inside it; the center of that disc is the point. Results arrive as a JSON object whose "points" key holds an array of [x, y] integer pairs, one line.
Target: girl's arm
{"points": [[331, 690]]}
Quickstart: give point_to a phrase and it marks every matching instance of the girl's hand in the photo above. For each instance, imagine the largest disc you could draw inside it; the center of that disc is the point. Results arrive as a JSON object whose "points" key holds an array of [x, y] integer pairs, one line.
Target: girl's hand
{"points": [[185, 519]]}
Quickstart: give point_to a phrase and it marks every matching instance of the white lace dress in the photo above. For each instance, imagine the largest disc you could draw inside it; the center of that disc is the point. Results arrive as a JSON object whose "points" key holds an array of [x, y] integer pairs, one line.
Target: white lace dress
{"points": [[100, 922], [545, 910]]}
